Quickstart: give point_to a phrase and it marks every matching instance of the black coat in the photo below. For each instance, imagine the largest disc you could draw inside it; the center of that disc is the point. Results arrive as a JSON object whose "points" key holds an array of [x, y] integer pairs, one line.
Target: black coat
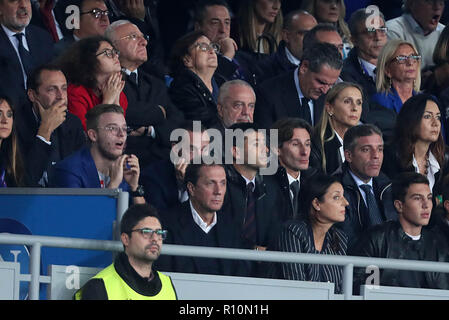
{"points": [[277, 98], [38, 154], [331, 151], [189, 93], [276, 64], [143, 109], [356, 221], [388, 240], [182, 230], [40, 44]]}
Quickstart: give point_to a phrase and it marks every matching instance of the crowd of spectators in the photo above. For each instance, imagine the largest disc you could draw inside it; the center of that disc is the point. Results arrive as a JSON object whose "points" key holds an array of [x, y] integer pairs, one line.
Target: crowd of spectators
{"points": [[350, 108]]}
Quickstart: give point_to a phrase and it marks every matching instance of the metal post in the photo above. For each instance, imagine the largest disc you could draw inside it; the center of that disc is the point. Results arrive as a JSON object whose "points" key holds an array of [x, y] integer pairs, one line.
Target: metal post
{"points": [[347, 281], [35, 270], [122, 206]]}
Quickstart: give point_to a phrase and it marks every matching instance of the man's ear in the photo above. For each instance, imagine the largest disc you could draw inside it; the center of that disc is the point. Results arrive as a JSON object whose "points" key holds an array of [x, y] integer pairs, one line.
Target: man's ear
{"points": [[398, 205], [125, 239], [92, 135], [304, 67], [220, 110], [190, 189], [348, 156], [236, 154]]}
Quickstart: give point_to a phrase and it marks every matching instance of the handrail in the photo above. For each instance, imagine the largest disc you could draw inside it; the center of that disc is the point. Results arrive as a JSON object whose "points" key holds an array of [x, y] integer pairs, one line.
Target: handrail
{"points": [[349, 262]]}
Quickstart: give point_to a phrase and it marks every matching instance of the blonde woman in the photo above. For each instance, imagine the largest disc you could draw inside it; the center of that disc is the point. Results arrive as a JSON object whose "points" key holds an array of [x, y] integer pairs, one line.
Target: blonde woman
{"points": [[260, 25], [343, 108], [398, 75], [331, 11]]}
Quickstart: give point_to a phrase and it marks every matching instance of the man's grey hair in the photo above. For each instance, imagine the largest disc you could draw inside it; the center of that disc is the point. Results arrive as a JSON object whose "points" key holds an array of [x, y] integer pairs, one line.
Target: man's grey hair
{"points": [[225, 87], [322, 54], [110, 30], [359, 17]]}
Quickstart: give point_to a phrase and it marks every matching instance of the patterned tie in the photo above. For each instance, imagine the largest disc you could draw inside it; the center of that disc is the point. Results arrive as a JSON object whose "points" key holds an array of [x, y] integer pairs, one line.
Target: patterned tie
{"points": [[294, 186], [373, 209], [25, 56], [304, 111], [249, 224]]}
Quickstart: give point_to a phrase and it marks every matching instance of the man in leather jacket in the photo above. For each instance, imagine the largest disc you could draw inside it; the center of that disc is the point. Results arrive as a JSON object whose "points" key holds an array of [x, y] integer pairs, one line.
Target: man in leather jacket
{"points": [[407, 238], [363, 148]]}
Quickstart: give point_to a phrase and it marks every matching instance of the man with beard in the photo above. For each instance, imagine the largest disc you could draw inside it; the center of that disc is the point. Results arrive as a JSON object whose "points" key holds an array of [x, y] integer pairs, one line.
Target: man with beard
{"points": [[102, 164], [132, 275]]}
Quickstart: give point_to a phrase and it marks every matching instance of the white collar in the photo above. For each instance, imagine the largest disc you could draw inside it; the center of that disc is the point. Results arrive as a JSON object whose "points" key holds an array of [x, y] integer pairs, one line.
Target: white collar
{"points": [[248, 181], [291, 179], [358, 181], [434, 166], [298, 88], [11, 33], [291, 57], [200, 222], [368, 67]]}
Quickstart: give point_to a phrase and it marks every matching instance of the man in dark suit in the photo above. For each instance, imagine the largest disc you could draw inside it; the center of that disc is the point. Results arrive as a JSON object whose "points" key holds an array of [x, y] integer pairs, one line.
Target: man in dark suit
{"points": [[295, 94], [150, 111], [163, 180], [199, 222], [102, 164], [23, 48], [46, 17], [46, 131], [294, 146]]}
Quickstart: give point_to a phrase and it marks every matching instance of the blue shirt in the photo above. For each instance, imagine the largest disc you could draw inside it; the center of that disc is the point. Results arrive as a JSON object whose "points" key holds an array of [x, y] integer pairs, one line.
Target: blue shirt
{"points": [[389, 100]]}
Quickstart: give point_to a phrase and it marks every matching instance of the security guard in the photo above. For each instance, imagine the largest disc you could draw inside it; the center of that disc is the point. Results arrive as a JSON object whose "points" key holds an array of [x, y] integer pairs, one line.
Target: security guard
{"points": [[131, 276]]}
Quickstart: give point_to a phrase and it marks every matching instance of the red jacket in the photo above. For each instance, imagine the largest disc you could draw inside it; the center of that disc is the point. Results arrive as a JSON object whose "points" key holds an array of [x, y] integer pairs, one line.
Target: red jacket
{"points": [[82, 99]]}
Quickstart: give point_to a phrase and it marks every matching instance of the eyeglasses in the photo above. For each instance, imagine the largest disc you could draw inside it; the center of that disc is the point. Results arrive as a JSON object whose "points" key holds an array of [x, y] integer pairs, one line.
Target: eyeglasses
{"points": [[97, 13], [116, 129], [110, 53], [372, 31], [203, 46], [135, 37], [404, 59], [147, 233]]}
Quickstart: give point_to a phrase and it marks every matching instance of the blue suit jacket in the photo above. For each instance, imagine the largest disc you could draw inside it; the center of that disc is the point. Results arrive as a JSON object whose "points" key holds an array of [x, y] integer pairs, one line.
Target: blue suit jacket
{"points": [[40, 44], [79, 171]]}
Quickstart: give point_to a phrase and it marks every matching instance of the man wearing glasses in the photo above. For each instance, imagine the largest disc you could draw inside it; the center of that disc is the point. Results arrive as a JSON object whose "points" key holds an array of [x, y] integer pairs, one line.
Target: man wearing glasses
{"points": [[103, 164], [360, 66], [150, 111], [93, 21], [420, 25], [132, 275]]}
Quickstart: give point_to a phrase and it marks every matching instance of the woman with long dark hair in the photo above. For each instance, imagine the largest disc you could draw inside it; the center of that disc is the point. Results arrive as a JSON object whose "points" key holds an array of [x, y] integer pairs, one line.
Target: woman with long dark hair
{"points": [[418, 144], [324, 205], [93, 71], [11, 164]]}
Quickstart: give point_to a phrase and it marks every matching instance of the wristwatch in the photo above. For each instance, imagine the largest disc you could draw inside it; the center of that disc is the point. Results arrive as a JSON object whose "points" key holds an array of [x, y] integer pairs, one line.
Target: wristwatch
{"points": [[139, 192]]}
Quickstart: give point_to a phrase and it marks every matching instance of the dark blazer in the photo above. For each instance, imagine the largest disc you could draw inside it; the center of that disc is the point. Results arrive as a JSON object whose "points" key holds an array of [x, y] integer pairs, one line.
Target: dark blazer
{"points": [[331, 151], [182, 230], [277, 98], [269, 205], [79, 171], [63, 44], [40, 44], [276, 64], [70, 138], [193, 98], [159, 182], [143, 109], [356, 221], [280, 180]]}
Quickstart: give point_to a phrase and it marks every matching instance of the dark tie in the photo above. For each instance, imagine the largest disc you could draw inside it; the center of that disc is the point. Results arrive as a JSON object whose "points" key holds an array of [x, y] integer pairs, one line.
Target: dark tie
{"points": [[25, 56], [133, 77], [373, 209], [305, 110], [294, 186], [249, 224]]}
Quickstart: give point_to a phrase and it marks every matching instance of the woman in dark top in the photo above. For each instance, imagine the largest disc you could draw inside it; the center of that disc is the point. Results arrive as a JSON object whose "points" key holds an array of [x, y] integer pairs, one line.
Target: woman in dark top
{"points": [[11, 164], [325, 203], [194, 89], [418, 144]]}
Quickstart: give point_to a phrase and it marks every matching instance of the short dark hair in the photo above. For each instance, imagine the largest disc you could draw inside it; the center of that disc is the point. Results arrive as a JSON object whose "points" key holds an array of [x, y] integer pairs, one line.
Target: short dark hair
{"points": [[181, 49], [310, 38], [244, 126], [358, 17], [286, 126], [354, 133], [94, 114], [134, 214], [34, 79], [321, 54], [202, 5], [403, 181], [193, 171]]}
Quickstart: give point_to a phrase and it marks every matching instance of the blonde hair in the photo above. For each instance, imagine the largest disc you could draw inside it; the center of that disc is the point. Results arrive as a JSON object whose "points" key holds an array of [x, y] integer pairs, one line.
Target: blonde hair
{"points": [[343, 29], [383, 82], [247, 28], [324, 122]]}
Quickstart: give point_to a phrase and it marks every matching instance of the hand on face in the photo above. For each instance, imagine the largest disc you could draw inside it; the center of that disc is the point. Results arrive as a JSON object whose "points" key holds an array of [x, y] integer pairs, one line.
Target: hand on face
{"points": [[112, 88], [51, 117], [125, 167]]}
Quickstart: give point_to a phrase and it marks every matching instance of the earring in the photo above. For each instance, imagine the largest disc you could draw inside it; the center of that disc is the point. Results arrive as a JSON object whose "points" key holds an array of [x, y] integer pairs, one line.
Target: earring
{"points": [[331, 114]]}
